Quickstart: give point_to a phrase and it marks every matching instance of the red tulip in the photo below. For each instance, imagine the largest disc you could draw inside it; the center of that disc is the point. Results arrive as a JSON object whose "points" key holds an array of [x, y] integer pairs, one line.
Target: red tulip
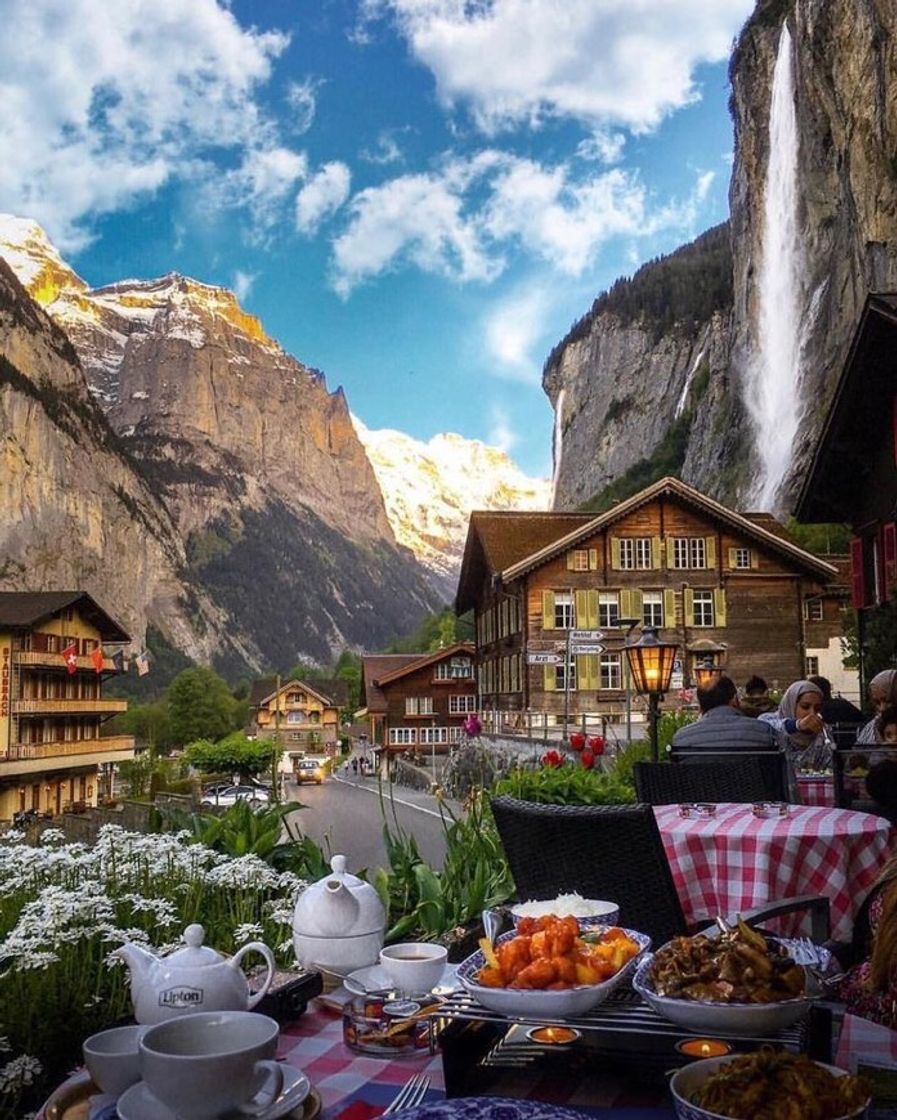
{"points": [[596, 744], [577, 740], [552, 758], [588, 759]]}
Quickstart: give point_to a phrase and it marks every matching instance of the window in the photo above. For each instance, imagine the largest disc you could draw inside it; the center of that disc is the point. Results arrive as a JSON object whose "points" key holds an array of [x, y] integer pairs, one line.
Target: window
{"points": [[563, 610], [652, 608], [456, 668], [454, 734], [689, 552], [432, 735], [635, 552], [812, 667], [461, 704], [295, 717], [579, 560], [703, 608], [742, 557], [565, 676], [418, 705], [608, 608], [52, 646], [610, 675], [402, 736], [813, 610]]}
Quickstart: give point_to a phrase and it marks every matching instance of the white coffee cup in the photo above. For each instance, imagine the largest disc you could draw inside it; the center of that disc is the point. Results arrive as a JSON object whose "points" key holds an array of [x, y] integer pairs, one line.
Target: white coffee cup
{"points": [[206, 1065], [113, 1059], [414, 967]]}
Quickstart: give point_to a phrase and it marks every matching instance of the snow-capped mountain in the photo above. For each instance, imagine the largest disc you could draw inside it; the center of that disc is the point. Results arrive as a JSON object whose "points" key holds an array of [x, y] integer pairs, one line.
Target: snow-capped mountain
{"points": [[431, 488]]}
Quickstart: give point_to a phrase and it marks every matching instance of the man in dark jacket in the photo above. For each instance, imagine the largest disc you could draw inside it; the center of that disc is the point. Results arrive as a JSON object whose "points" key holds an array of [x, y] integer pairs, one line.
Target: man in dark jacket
{"points": [[722, 727]]}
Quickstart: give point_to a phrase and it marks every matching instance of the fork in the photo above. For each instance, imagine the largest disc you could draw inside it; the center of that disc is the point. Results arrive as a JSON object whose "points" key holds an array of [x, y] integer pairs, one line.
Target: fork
{"points": [[412, 1093]]}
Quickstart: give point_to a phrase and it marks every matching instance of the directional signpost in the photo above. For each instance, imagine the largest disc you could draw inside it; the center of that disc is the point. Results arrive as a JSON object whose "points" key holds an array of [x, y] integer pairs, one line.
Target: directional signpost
{"points": [[586, 635], [577, 648], [533, 658]]}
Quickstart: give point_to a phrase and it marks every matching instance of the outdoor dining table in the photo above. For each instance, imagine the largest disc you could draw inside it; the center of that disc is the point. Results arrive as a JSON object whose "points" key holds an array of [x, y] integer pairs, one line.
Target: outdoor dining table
{"points": [[734, 860], [816, 789]]}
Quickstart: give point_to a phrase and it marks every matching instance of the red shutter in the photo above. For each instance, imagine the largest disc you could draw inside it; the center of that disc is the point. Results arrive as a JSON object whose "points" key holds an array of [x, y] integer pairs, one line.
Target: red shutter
{"points": [[857, 575], [889, 541]]}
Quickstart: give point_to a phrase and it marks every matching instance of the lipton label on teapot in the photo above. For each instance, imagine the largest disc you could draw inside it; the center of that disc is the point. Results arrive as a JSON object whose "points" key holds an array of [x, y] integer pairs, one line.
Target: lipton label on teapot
{"points": [[181, 996]]}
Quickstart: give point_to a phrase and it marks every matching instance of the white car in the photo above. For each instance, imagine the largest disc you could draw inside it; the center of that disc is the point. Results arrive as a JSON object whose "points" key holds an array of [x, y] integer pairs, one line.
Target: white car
{"points": [[255, 796]]}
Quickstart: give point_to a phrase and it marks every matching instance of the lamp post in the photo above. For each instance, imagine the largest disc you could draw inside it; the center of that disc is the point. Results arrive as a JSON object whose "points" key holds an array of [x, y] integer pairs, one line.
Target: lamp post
{"points": [[651, 666], [630, 624], [707, 673]]}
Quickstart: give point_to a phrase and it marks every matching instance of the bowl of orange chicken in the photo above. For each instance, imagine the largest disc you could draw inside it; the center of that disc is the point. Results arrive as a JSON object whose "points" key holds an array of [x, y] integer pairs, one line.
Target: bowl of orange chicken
{"points": [[550, 967]]}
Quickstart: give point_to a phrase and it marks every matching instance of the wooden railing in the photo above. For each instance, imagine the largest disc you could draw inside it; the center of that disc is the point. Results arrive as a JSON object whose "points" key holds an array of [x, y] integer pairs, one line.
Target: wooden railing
{"points": [[73, 706], [19, 751], [55, 660]]}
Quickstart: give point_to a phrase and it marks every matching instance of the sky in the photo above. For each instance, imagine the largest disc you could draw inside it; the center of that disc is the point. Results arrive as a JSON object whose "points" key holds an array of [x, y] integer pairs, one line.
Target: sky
{"points": [[417, 197]]}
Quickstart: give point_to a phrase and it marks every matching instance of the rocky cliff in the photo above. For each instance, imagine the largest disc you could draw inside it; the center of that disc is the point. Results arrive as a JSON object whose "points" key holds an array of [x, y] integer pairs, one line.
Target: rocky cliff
{"points": [[617, 380]]}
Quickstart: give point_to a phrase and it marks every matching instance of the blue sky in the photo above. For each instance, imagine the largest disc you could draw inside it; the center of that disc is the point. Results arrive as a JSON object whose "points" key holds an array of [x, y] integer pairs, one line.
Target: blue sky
{"points": [[417, 197]]}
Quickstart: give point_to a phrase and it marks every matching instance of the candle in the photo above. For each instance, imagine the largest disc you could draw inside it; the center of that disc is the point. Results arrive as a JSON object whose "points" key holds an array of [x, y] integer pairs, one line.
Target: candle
{"points": [[553, 1036], [703, 1047]]}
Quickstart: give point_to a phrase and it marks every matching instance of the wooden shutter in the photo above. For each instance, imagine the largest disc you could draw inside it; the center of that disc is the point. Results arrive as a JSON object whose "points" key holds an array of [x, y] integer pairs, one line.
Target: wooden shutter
{"points": [[688, 606], [732, 552], [587, 672], [719, 606], [592, 610], [656, 552], [571, 560], [755, 559], [549, 678], [857, 575], [593, 559], [889, 549], [548, 610], [615, 553], [710, 551], [625, 604], [581, 607], [669, 608], [637, 604]]}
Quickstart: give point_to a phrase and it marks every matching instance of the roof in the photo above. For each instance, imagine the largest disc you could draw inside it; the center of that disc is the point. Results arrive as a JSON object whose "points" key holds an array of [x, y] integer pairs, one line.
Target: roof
{"points": [[687, 495], [498, 539], [859, 421], [264, 689], [384, 668], [20, 610], [428, 659]]}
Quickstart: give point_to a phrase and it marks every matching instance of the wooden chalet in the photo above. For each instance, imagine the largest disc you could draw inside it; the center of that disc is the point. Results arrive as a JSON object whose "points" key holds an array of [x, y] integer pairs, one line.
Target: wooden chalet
{"points": [[303, 717], [708, 578], [419, 701]]}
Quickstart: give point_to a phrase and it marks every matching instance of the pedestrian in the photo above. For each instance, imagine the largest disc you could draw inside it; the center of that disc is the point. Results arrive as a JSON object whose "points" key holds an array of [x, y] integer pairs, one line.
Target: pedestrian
{"points": [[355, 766]]}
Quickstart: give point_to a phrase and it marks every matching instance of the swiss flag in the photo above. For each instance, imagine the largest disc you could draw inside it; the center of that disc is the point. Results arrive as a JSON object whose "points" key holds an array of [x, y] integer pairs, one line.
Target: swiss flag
{"points": [[70, 654], [96, 656]]}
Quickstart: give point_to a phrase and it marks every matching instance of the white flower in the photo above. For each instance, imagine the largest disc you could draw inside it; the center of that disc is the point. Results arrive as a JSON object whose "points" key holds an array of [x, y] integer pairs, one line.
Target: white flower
{"points": [[18, 1072], [248, 931]]}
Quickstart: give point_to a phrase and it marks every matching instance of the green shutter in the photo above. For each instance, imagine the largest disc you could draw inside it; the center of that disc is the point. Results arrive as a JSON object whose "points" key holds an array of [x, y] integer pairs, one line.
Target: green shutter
{"points": [[719, 606], [593, 559], [669, 608], [548, 610], [570, 560], [625, 603], [581, 607], [710, 546], [587, 672], [592, 613], [732, 554], [615, 553], [656, 552], [637, 602], [755, 559], [688, 606], [549, 678]]}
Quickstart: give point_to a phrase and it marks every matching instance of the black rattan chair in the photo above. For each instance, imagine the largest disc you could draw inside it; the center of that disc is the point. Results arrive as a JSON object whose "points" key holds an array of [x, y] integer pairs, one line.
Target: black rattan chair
{"points": [[665, 783], [613, 852], [769, 778]]}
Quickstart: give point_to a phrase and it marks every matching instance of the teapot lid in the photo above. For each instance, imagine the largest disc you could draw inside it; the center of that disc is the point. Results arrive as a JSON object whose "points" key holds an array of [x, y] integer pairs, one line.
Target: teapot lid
{"points": [[194, 954]]}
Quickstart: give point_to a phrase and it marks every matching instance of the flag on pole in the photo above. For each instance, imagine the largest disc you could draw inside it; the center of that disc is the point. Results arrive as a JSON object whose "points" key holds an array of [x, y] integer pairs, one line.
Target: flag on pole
{"points": [[70, 656], [143, 665], [118, 660], [96, 656]]}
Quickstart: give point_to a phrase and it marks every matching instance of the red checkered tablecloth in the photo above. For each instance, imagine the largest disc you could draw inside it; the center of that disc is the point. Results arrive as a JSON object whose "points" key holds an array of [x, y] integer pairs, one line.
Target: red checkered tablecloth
{"points": [[734, 861], [815, 790]]}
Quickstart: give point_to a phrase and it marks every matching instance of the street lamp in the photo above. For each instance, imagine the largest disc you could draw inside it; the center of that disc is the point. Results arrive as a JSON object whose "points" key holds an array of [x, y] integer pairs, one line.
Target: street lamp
{"points": [[630, 624], [651, 666], [707, 672]]}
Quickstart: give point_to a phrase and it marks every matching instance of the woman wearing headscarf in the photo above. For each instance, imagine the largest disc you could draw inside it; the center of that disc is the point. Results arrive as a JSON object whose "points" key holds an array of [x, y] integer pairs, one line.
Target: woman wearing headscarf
{"points": [[801, 727], [883, 694]]}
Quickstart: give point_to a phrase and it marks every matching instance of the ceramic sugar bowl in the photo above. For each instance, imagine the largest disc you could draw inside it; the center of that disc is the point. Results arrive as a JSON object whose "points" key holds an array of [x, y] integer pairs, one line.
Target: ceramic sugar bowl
{"points": [[194, 978], [338, 923]]}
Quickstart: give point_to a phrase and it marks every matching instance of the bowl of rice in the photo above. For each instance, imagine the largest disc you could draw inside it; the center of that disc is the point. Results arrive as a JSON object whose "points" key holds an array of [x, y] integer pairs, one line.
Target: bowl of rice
{"points": [[588, 911]]}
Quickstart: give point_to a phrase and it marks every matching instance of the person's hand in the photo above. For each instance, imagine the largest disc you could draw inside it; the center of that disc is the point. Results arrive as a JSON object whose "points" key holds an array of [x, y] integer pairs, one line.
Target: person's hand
{"points": [[811, 723]]}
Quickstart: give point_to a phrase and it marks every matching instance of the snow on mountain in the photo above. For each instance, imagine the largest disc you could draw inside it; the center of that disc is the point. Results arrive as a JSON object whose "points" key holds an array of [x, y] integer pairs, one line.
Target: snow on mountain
{"points": [[431, 489]]}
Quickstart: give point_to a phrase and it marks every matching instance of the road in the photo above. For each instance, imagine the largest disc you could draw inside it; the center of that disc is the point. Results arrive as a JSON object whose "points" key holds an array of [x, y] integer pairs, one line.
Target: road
{"points": [[349, 814]]}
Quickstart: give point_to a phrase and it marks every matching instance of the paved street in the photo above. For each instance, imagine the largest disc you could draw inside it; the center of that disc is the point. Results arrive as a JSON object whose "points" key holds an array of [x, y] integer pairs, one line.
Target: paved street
{"points": [[348, 811]]}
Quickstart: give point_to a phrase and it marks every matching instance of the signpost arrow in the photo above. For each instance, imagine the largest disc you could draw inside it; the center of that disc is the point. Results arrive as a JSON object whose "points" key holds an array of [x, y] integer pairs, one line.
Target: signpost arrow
{"points": [[543, 659], [577, 648], [586, 635]]}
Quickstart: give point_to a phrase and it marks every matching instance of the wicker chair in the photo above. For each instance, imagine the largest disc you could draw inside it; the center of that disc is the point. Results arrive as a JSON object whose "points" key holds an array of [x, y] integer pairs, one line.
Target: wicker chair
{"points": [[739, 780], [613, 852], [770, 777]]}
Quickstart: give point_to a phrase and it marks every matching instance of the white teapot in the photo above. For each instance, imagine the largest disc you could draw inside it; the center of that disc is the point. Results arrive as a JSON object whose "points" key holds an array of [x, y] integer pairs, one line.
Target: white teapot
{"points": [[194, 978], [339, 922]]}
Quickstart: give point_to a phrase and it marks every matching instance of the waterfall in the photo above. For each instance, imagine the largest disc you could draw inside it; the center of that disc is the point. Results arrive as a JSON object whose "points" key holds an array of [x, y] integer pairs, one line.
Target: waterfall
{"points": [[773, 374], [556, 443], [690, 376]]}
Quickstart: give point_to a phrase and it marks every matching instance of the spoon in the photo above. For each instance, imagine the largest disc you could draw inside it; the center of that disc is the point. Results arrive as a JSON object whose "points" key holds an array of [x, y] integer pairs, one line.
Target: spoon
{"points": [[492, 923]]}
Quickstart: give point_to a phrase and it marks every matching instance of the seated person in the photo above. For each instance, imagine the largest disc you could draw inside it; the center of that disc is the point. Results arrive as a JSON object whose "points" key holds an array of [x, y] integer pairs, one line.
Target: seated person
{"points": [[756, 699], [883, 694], [881, 780], [844, 718], [722, 727], [886, 726], [870, 987], [800, 727]]}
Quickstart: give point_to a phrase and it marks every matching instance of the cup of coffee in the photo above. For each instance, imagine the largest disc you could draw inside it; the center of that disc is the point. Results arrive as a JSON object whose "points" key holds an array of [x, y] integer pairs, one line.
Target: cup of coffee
{"points": [[113, 1059], [414, 967], [206, 1065]]}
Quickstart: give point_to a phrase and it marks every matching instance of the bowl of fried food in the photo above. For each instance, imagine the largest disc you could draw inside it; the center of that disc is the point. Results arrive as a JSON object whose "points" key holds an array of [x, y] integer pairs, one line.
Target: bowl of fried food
{"points": [[740, 983], [550, 967], [768, 1082]]}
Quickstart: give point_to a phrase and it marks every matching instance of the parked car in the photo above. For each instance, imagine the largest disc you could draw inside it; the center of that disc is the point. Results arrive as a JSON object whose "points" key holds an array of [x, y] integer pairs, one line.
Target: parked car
{"points": [[255, 796], [309, 770]]}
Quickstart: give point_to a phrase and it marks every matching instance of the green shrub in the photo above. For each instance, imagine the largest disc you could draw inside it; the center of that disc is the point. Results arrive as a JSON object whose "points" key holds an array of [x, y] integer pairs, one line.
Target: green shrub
{"points": [[567, 785]]}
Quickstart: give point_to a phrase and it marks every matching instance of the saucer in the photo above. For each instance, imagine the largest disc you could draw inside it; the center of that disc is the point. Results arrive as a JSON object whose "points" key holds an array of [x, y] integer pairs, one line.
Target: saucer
{"points": [[375, 979], [138, 1103]]}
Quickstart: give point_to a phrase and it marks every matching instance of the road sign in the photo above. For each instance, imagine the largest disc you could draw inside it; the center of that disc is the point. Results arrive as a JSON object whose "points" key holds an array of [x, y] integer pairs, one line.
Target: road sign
{"points": [[577, 648], [586, 635], [543, 659]]}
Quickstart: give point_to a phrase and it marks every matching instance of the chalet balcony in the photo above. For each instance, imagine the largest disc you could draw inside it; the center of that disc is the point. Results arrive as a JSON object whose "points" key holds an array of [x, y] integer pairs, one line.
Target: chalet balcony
{"points": [[67, 707], [45, 660], [108, 744]]}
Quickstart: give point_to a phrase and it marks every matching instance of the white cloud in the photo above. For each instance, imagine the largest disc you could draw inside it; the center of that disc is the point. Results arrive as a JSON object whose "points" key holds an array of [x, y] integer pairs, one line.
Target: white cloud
{"points": [[263, 182], [103, 103], [302, 98], [501, 434], [242, 284], [703, 185], [512, 330], [629, 62], [386, 150], [322, 195], [603, 146]]}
